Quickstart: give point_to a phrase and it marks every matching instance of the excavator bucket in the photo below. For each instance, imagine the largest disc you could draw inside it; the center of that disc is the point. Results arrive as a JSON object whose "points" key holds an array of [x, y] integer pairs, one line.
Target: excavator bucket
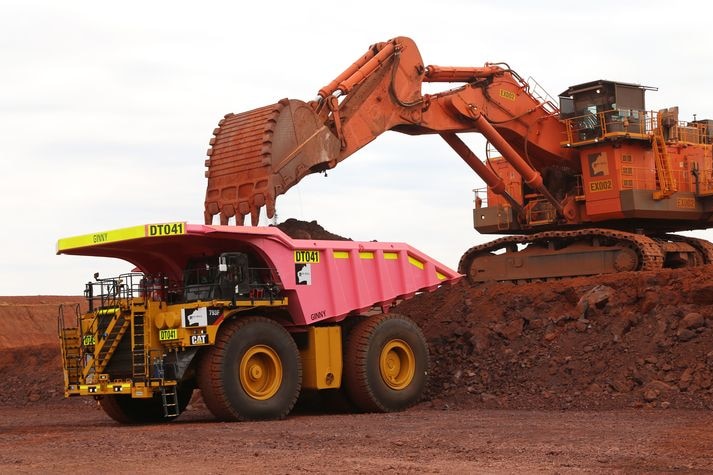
{"points": [[257, 155]]}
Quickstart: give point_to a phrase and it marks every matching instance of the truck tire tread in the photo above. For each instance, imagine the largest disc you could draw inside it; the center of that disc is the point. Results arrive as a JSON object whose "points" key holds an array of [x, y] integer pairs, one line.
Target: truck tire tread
{"points": [[363, 380], [224, 395]]}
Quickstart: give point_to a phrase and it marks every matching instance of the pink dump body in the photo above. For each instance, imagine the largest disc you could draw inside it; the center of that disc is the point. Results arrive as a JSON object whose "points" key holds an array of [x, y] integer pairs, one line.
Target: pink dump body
{"points": [[322, 279]]}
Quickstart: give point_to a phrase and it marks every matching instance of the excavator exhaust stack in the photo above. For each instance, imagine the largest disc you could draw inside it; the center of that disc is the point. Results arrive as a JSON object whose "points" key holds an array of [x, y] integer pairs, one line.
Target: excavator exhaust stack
{"points": [[257, 155]]}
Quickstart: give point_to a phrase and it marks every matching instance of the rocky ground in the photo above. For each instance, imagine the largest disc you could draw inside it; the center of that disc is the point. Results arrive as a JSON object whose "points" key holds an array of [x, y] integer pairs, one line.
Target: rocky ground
{"points": [[631, 340]]}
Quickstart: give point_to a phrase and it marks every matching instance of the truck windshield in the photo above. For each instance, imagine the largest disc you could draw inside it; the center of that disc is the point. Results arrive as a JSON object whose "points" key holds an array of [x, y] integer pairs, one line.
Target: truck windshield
{"points": [[200, 279]]}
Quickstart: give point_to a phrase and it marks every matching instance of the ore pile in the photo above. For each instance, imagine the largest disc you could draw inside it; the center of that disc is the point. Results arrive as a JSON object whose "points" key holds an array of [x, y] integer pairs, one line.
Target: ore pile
{"points": [[297, 229], [629, 340]]}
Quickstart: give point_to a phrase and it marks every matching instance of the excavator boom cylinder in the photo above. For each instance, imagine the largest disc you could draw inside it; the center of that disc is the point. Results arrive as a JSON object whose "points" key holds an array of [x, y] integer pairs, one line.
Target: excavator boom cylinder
{"points": [[531, 176], [330, 88], [364, 71], [459, 74]]}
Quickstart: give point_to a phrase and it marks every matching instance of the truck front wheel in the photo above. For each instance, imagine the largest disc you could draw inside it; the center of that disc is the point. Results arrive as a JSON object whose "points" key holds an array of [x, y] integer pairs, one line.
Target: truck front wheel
{"points": [[386, 364], [252, 372]]}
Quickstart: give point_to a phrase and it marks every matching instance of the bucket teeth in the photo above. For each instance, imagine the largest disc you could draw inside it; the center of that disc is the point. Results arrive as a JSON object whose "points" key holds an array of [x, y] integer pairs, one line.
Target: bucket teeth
{"points": [[257, 155]]}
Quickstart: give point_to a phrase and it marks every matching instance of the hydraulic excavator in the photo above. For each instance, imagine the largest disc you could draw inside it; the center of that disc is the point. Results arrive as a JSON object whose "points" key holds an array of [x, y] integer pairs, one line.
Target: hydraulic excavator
{"points": [[594, 185]]}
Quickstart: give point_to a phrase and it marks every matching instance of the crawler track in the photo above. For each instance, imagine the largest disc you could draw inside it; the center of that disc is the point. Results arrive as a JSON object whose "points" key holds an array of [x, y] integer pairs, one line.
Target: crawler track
{"points": [[701, 245], [590, 251]]}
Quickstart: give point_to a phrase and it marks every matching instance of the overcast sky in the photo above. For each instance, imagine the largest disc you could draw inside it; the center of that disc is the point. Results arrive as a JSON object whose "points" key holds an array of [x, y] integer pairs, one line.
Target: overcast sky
{"points": [[106, 108]]}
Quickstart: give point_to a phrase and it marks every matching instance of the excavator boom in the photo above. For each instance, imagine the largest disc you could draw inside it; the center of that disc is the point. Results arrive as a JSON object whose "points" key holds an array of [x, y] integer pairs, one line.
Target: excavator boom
{"points": [[258, 155]]}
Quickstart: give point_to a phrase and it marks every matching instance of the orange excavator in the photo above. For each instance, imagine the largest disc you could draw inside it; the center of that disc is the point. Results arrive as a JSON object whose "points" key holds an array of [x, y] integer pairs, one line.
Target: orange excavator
{"points": [[596, 185]]}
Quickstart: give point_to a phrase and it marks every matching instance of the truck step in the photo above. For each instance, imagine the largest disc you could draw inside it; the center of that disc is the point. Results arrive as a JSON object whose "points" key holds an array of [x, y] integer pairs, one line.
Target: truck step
{"points": [[169, 399]]}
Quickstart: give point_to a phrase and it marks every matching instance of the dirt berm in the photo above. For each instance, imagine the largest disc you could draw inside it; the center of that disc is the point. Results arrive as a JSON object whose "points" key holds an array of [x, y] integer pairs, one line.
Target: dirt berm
{"points": [[611, 341], [634, 339]]}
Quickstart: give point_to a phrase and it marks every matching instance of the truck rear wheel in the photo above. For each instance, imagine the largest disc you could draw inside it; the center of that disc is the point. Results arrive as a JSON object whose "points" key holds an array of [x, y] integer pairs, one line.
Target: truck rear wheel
{"points": [[386, 364], [252, 372], [128, 410]]}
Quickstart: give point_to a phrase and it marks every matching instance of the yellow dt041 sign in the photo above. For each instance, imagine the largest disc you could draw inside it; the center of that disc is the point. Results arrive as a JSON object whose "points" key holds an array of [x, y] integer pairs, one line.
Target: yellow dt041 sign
{"points": [[166, 229], [306, 257], [170, 334]]}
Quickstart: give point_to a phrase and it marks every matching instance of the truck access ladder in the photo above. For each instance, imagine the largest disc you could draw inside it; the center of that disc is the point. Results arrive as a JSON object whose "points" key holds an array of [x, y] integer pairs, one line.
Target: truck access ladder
{"points": [[169, 399], [138, 348], [71, 347]]}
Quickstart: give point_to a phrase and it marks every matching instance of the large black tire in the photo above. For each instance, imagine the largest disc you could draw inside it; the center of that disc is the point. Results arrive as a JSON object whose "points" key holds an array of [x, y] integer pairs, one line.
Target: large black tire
{"points": [[127, 410], [253, 372], [386, 364]]}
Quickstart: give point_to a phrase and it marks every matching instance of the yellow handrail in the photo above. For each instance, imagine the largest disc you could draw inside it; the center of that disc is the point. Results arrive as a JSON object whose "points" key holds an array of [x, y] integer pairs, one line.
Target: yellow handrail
{"points": [[667, 184]]}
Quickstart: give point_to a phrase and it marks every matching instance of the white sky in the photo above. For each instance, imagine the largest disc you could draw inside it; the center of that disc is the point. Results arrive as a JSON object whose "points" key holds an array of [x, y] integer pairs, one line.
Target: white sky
{"points": [[106, 108]]}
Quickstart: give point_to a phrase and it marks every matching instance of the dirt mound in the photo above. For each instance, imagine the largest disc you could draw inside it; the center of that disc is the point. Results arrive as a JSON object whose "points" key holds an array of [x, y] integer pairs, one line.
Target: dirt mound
{"points": [[610, 341], [31, 374], [32, 320], [29, 347], [297, 229]]}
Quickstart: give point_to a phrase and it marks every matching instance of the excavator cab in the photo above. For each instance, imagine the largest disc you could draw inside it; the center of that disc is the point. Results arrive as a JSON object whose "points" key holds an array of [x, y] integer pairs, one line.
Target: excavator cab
{"points": [[597, 110]]}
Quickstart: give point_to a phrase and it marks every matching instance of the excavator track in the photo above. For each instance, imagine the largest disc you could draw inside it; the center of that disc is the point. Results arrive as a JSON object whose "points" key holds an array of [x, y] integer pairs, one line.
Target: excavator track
{"points": [[562, 254], [705, 248]]}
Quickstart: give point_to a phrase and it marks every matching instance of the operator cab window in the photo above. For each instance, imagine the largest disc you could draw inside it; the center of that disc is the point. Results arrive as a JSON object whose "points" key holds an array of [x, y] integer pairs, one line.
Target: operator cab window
{"points": [[199, 279], [229, 276]]}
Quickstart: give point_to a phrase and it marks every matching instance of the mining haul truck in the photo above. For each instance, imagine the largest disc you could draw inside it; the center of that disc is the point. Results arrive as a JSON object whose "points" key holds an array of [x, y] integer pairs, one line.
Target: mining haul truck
{"points": [[598, 184], [249, 316]]}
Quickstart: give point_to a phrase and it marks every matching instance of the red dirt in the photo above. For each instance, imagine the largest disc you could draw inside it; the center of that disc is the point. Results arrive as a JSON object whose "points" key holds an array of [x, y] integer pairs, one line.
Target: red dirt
{"points": [[628, 356], [76, 437], [644, 339]]}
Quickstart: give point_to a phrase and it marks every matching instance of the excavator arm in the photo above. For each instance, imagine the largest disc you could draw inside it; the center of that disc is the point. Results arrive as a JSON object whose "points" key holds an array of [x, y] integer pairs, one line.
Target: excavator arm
{"points": [[258, 155]]}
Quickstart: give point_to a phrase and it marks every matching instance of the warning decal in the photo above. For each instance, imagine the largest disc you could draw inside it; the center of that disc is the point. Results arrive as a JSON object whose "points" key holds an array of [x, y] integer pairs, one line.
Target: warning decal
{"points": [[303, 274]]}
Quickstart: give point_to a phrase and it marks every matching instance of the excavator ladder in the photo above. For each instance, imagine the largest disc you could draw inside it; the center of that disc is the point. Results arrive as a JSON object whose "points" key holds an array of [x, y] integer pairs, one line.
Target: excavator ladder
{"points": [[667, 183]]}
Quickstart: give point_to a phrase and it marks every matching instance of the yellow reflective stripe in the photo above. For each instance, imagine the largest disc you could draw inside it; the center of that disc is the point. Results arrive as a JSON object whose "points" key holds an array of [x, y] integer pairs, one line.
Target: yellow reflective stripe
{"points": [[107, 311], [389, 256], [440, 276], [415, 262], [122, 234], [101, 238]]}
